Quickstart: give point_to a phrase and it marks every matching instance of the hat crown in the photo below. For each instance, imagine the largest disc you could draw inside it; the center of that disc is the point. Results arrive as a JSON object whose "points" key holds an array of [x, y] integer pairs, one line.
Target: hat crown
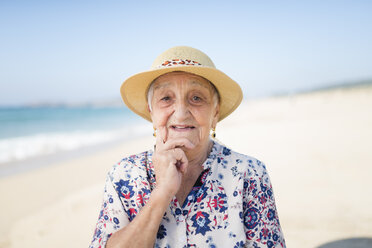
{"points": [[182, 55]]}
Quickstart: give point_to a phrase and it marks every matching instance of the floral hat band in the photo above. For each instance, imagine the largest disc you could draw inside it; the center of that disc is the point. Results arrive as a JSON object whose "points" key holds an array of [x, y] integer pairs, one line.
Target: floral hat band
{"points": [[187, 59], [179, 62]]}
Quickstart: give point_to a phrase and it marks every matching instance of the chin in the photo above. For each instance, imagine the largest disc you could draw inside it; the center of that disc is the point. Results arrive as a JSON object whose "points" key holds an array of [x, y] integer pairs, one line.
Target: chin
{"points": [[194, 139]]}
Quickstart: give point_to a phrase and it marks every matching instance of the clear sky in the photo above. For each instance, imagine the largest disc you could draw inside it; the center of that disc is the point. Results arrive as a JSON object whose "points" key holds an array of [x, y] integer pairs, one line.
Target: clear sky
{"points": [[77, 51]]}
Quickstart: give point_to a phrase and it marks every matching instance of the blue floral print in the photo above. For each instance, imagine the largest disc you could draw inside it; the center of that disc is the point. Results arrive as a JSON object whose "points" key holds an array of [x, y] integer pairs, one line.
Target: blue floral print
{"points": [[161, 233], [201, 222], [125, 189], [231, 205]]}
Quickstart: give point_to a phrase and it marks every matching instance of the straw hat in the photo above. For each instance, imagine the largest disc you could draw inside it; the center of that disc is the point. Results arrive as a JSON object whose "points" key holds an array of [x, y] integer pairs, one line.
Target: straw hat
{"points": [[187, 59]]}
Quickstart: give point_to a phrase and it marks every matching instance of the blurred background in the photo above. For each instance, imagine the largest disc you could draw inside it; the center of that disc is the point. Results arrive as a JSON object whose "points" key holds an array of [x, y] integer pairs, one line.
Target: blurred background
{"points": [[304, 67], [80, 51]]}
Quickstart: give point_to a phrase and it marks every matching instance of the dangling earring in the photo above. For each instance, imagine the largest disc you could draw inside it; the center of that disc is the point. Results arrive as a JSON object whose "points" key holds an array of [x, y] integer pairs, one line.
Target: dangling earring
{"points": [[213, 133], [154, 133]]}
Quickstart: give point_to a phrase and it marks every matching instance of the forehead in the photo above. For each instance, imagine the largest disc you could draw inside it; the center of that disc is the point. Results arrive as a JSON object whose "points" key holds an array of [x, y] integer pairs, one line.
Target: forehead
{"points": [[173, 78]]}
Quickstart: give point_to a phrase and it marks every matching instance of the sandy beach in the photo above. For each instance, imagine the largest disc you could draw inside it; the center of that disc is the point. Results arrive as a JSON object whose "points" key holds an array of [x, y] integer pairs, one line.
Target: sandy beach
{"points": [[317, 147]]}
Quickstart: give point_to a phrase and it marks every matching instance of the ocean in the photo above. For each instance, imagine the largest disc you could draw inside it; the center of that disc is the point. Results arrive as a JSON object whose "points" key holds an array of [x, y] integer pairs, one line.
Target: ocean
{"points": [[30, 132]]}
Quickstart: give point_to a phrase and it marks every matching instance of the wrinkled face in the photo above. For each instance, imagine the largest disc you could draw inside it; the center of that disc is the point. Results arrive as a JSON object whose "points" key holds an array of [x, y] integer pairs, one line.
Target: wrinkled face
{"points": [[184, 104]]}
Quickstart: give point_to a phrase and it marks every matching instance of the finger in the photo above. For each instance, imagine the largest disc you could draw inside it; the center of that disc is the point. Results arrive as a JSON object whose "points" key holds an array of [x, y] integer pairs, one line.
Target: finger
{"points": [[182, 161], [165, 134], [162, 135], [158, 147], [161, 132]]}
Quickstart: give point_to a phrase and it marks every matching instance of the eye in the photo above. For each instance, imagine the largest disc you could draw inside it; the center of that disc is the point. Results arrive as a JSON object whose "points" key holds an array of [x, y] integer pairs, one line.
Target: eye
{"points": [[196, 99], [165, 99]]}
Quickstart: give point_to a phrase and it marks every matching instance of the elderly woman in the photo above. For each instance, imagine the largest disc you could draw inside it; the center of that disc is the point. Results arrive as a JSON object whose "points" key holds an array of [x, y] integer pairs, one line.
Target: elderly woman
{"points": [[190, 191]]}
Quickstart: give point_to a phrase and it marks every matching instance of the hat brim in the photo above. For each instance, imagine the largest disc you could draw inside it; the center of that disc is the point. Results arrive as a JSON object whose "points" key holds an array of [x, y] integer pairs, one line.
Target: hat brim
{"points": [[134, 89]]}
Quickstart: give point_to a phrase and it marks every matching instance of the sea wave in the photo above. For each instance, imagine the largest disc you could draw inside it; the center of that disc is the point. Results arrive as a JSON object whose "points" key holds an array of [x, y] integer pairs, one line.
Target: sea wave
{"points": [[21, 148]]}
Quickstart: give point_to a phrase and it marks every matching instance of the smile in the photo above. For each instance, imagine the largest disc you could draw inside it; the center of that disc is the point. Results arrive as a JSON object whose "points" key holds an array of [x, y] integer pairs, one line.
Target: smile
{"points": [[181, 128]]}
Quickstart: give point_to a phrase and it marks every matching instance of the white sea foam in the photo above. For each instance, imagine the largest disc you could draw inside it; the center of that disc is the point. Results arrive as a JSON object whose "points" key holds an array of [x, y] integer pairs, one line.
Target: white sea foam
{"points": [[21, 148]]}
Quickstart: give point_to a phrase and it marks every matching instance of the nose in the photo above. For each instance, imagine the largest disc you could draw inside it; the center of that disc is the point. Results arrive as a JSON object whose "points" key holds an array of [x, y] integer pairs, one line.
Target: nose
{"points": [[181, 110]]}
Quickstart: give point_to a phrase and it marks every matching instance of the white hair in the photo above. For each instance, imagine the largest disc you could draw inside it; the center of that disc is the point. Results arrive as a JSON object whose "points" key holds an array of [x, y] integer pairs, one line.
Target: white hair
{"points": [[150, 94]]}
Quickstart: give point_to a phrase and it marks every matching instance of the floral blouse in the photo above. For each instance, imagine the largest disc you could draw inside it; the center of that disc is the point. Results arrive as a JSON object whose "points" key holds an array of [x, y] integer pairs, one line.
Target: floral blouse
{"points": [[231, 205]]}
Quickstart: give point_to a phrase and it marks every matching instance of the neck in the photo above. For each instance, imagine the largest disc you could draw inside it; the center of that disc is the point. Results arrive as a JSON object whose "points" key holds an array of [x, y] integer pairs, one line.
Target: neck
{"points": [[198, 155]]}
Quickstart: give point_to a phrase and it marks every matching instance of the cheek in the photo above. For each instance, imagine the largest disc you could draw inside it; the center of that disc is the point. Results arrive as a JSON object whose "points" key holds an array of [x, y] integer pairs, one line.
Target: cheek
{"points": [[204, 118], [160, 117]]}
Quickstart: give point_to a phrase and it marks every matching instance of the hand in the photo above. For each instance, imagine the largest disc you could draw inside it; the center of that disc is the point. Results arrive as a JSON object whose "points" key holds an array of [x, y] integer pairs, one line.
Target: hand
{"points": [[170, 161]]}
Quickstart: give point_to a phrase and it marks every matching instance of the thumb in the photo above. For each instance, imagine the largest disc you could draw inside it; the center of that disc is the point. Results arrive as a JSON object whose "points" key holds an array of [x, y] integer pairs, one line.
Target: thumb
{"points": [[183, 163]]}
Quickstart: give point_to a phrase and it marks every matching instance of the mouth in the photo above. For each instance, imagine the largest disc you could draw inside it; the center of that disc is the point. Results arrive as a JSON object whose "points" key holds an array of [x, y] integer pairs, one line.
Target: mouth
{"points": [[182, 128]]}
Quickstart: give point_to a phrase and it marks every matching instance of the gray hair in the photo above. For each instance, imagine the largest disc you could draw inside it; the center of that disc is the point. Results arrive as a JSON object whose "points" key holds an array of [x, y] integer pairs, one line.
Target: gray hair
{"points": [[150, 94]]}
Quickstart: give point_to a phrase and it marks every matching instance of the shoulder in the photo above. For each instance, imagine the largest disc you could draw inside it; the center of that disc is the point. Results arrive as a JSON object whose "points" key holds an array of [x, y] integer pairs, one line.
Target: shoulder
{"points": [[131, 165], [130, 180], [242, 164]]}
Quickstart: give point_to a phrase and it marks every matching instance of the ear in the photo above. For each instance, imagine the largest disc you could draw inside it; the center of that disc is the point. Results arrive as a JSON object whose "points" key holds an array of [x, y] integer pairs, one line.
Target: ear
{"points": [[151, 115], [216, 116], [148, 109]]}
